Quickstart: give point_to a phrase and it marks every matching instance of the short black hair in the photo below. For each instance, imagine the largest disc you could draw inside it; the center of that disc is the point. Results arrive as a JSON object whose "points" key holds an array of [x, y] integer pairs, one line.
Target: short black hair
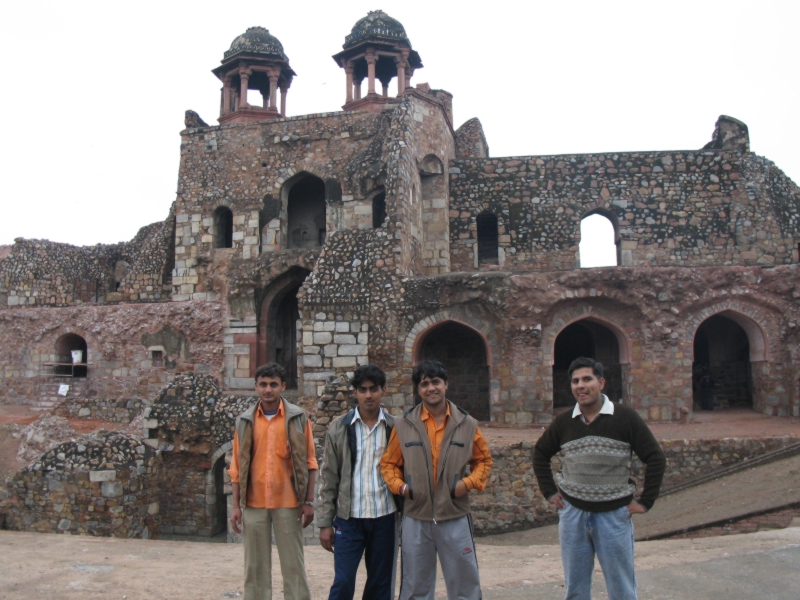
{"points": [[368, 372], [272, 369], [583, 362], [428, 368]]}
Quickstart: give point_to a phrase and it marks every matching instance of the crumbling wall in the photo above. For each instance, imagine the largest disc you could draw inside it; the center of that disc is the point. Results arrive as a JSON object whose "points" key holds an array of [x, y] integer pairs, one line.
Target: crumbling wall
{"points": [[470, 140], [101, 485], [690, 208]]}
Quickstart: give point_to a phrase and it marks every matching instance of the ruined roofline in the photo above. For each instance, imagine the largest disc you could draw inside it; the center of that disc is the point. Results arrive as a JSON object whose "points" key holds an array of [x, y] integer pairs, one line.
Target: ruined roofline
{"points": [[610, 153], [308, 117]]}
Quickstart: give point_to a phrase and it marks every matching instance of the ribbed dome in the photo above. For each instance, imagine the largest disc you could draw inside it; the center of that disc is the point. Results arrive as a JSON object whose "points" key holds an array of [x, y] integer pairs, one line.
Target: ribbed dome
{"points": [[256, 40], [376, 24]]}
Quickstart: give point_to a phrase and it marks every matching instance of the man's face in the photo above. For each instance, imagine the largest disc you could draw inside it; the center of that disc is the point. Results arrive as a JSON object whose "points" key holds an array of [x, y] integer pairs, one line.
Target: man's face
{"points": [[586, 387], [433, 391], [269, 389], [369, 395]]}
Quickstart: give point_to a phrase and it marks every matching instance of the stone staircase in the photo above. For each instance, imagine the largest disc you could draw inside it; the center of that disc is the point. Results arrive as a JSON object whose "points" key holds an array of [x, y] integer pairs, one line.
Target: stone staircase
{"points": [[48, 397]]}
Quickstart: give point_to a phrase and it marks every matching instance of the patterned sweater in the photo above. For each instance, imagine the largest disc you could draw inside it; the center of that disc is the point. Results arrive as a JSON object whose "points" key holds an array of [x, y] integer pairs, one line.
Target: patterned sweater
{"points": [[596, 469]]}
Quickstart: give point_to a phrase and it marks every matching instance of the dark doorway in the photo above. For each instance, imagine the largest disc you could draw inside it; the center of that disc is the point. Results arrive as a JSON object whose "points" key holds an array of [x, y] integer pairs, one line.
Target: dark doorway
{"points": [[590, 339], [277, 329], [378, 210], [220, 515], [487, 238], [306, 212], [722, 349], [71, 364], [463, 353], [223, 228]]}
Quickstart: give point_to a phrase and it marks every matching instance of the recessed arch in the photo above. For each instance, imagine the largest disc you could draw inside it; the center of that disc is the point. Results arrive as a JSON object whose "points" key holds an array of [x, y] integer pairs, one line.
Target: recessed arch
{"points": [[72, 354], [223, 227], [378, 208], [756, 337], [621, 336], [465, 352], [304, 196], [278, 314], [488, 232]]}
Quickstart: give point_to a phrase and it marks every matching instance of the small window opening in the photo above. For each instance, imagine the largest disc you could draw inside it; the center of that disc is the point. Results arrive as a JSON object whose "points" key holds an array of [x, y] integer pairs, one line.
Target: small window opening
{"points": [[223, 228], [378, 210], [598, 247], [157, 358], [487, 238]]}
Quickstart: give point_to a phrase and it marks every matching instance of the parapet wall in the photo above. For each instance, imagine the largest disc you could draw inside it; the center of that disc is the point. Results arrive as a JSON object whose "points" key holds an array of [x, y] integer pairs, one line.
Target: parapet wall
{"points": [[688, 208]]}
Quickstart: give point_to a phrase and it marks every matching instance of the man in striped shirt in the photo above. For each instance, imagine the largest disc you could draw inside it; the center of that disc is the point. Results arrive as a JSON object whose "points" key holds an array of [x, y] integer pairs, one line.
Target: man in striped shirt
{"points": [[357, 508]]}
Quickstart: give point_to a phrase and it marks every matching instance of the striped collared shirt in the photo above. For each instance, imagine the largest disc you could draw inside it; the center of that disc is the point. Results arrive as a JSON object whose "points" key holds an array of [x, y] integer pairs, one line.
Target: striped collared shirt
{"points": [[370, 496]]}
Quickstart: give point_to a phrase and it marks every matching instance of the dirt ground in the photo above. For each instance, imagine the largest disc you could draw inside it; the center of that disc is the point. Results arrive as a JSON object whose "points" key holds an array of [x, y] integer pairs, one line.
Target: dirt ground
{"points": [[72, 567]]}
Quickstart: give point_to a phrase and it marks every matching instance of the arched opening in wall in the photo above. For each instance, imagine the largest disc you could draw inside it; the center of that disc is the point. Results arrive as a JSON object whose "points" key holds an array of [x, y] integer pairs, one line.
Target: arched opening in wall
{"points": [[223, 227], [593, 340], [306, 212], [598, 246], [487, 238], [72, 356], [722, 374], [219, 519], [463, 352], [277, 327], [378, 210]]}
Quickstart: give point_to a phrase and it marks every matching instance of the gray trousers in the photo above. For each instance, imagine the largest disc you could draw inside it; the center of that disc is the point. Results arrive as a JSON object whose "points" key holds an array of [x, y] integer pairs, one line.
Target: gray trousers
{"points": [[452, 541]]}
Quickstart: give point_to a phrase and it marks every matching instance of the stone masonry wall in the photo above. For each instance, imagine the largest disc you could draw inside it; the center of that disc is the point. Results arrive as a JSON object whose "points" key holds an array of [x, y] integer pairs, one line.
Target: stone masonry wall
{"points": [[690, 208], [118, 339], [101, 409]]}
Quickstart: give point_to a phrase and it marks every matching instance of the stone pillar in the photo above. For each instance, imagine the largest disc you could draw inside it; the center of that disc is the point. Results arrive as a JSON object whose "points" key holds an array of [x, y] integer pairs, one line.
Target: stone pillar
{"points": [[226, 95], [273, 91], [244, 75], [284, 91], [349, 72], [401, 75], [358, 89], [372, 58]]}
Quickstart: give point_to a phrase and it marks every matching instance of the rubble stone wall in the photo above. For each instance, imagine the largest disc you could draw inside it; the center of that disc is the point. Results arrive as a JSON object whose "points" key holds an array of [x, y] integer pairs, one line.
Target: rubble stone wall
{"points": [[690, 208], [122, 410], [512, 500], [118, 338], [102, 485]]}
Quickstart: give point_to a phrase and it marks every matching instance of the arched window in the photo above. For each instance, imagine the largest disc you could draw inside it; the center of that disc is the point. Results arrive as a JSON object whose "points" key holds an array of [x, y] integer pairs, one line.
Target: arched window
{"points": [[223, 228], [378, 210], [487, 238], [73, 356], [598, 247], [306, 212]]}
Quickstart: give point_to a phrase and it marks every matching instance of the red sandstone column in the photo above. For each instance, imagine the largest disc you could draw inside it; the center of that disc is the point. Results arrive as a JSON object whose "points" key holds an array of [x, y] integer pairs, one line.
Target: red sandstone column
{"points": [[244, 75], [358, 89], [371, 60], [349, 71], [284, 91], [273, 91], [401, 75], [226, 95]]}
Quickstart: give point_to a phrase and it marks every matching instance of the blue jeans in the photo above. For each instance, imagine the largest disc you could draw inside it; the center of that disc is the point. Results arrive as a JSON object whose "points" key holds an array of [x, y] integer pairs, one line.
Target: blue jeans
{"points": [[607, 534], [375, 540]]}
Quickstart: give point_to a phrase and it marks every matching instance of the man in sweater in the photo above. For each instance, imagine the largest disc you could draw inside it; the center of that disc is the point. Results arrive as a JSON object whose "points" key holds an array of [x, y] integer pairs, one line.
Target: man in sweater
{"points": [[426, 462], [593, 492], [357, 509]]}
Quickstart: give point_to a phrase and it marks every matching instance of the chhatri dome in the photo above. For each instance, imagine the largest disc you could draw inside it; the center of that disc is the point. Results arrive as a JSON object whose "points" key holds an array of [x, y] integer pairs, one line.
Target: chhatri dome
{"points": [[377, 24]]}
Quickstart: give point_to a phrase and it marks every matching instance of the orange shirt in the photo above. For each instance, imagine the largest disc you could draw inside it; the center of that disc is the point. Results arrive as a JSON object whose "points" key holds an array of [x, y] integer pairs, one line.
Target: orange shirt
{"points": [[480, 464], [270, 481]]}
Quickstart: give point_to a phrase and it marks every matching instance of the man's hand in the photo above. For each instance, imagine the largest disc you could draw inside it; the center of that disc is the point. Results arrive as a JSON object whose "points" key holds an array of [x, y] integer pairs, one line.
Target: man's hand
{"points": [[326, 538], [236, 519], [558, 501], [306, 515], [635, 508], [461, 489]]}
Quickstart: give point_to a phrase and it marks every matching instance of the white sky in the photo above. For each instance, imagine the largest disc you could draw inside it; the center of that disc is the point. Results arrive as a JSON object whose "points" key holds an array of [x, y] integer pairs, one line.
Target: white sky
{"points": [[95, 92]]}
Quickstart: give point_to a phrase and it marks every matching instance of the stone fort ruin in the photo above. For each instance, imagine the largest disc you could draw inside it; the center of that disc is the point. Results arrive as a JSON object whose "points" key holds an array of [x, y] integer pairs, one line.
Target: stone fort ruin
{"points": [[386, 233]]}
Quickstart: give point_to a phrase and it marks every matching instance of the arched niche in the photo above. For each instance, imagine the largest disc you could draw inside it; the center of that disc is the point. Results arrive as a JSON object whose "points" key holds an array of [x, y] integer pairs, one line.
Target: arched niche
{"points": [[599, 243], [69, 362], [593, 338], [277, 324], [304, 196], [725, 345], [378, 208], [223, 227], [488, 236], [465, 353]]}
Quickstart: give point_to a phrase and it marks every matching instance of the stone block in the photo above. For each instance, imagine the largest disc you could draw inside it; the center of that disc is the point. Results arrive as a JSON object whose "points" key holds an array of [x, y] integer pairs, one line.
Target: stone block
{"points": [[344, 361], [344, 339], [352, 350], [111, 489], [312, 360], [102, 475], [323, 337]]}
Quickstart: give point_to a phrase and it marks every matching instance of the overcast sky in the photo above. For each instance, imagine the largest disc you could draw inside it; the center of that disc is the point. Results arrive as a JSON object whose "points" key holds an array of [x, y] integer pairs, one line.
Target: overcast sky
{"points": [[95, 92]]}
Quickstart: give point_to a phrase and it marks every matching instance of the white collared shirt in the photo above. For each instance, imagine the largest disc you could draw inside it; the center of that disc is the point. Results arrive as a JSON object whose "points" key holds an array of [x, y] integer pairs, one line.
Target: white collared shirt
{"points": [[371, 497], [606, 409]]}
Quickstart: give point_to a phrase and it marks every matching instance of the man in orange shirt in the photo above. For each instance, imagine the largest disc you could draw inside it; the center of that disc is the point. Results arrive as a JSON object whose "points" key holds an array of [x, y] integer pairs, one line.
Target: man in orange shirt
{"points": [[272, 475], [426, 461]]}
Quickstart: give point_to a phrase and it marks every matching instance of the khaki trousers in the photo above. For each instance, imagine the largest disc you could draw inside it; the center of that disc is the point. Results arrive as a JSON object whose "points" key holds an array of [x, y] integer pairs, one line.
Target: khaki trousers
{"points": [[258, 526]]}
